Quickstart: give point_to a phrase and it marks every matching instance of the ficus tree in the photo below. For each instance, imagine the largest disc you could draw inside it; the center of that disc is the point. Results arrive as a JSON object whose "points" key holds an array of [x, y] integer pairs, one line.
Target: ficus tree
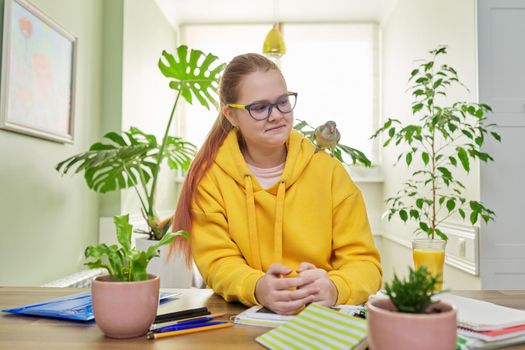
{"points": [[445, 140]]}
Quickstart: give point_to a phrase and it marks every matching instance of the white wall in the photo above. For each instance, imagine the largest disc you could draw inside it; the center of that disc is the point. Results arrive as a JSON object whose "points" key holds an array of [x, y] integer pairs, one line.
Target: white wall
{"points": [[414, 28], [146, 97]]}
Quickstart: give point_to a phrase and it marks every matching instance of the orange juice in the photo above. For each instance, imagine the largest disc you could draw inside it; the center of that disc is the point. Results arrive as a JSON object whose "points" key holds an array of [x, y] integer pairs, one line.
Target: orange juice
{"points": [[433, 260]]}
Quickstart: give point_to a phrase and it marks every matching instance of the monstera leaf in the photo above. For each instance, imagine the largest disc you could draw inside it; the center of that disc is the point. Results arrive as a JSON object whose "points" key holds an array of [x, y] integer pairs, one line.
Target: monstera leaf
{"points": [[125, 161], [192, 74]]}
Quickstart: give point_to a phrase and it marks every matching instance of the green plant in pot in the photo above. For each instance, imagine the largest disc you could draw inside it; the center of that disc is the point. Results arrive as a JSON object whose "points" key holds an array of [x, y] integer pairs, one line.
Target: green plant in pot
{"points": [[125, 300], [133, 159], [408, 318], [441, 143]]}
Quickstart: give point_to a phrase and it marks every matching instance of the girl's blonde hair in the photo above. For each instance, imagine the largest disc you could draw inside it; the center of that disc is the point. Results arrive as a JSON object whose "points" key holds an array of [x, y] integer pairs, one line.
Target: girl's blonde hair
{"points": [[239, 67]]}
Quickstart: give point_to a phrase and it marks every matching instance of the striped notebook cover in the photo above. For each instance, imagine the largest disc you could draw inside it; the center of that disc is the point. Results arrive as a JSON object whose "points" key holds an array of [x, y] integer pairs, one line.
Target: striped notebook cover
{"points": [[318, 327]]}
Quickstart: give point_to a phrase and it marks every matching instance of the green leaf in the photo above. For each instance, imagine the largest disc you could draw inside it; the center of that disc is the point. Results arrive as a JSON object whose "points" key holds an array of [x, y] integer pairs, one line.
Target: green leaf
{"points": [[467, 134], [419, 203], [446, 173], [463, 158], [113, 166], [124, 231], [424, 227], [193, 74], [496, 136], [451, 204], [392, 132], [403, 215], [462, 213], [441, 234], [474, 217], [409, 158], [453, 161], [425, 157], [417, 107]]}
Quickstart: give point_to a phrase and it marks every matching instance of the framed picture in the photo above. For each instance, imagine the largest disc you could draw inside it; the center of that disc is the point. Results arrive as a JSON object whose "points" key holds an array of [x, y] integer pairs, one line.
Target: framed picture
{"points": [[38, 74]]}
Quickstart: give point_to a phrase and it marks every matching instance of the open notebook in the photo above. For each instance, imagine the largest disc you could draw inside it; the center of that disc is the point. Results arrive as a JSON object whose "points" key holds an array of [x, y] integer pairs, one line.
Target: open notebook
{"points": [[318, 327]]}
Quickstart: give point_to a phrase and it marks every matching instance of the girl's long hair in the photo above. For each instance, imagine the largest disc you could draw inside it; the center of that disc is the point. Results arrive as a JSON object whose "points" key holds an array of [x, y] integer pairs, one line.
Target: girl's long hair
{"points": [[235, 71]]}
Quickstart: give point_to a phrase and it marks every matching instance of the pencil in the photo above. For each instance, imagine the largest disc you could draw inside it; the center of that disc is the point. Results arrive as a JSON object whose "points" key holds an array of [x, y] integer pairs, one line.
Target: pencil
{"points": [[184, 320], [173, 316], [188, 331]]}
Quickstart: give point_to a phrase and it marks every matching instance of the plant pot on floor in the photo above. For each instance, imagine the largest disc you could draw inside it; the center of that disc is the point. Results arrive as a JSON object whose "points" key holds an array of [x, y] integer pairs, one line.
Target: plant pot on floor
{"points": [[389, 329], [172, 272], [431, 254], [125, 309]]}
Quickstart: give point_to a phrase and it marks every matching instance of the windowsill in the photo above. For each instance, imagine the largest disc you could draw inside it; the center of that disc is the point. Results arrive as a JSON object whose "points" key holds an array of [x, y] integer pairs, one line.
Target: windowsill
{"points": [[361, 174]]}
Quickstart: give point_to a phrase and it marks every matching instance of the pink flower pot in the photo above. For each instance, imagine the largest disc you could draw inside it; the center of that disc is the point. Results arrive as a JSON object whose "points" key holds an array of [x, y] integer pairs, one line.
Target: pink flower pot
{"points": [[125, 309], [389, 329]]}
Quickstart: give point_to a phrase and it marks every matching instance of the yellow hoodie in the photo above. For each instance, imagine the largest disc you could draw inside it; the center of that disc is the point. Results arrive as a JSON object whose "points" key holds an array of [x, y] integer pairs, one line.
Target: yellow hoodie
{"points": [[314, 214]]}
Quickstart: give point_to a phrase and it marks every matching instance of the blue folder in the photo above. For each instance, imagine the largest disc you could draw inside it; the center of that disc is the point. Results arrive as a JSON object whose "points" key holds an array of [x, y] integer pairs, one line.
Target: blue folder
{"points": [[76, 307]]}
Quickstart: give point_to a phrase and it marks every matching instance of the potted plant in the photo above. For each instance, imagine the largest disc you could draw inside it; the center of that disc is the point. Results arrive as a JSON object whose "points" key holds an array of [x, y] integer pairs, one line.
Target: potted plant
{"points": [[408, 319], [442, 141], [125, 300], [133, 159]]}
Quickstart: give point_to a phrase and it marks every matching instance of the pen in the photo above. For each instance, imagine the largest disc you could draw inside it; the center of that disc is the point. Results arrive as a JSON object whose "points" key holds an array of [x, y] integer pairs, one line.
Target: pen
{"points": [[188, 331], [172, 316], [189, 320], [177, 327]]}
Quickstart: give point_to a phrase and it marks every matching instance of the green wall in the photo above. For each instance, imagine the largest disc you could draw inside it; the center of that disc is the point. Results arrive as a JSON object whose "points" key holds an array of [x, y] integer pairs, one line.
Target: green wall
{"points": [[47, 220]]}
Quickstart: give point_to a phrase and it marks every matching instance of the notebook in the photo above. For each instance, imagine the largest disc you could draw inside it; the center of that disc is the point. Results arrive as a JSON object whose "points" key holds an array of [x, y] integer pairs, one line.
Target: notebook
{"points": [[77, 307], [318, 327], [259, 316], [481, 315]]}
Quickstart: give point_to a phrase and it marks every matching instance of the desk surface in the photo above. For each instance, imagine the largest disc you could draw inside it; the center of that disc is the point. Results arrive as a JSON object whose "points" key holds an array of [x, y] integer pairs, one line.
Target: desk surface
{"points": [[24, 332]]}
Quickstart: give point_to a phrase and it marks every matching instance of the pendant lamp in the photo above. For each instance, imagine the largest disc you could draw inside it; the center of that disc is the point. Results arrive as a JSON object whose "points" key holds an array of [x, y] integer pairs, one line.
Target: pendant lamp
{"points": [[274, 43]]}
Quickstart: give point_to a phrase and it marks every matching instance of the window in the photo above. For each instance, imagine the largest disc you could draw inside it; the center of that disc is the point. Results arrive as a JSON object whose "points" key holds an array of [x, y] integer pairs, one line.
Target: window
{"points": [[333, 67]]}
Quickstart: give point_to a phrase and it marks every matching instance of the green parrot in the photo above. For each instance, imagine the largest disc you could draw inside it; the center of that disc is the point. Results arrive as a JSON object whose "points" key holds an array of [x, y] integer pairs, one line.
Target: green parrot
{"points": [[327, 136]]}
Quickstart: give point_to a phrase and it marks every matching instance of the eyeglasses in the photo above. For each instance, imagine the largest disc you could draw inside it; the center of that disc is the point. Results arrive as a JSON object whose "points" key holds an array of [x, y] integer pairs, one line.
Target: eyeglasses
{"points": [[262, 110]]}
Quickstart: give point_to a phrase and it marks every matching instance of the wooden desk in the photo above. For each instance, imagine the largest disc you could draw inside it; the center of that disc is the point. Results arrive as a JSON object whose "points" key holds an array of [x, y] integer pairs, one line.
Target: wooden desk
{"points": [[23, 332]]}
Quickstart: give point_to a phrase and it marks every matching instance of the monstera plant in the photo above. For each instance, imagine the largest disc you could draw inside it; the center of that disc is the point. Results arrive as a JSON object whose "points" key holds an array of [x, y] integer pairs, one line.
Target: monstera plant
{"points": [[134, 158]]}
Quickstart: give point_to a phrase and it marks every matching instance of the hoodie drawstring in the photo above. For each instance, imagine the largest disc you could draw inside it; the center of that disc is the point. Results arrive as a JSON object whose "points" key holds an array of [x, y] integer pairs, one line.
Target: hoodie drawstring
{"points": [[278, 230], [252, 228]]}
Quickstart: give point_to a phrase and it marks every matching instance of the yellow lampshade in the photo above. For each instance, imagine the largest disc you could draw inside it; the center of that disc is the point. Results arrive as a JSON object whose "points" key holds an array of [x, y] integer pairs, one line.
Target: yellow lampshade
{"points": [[274, 43]]}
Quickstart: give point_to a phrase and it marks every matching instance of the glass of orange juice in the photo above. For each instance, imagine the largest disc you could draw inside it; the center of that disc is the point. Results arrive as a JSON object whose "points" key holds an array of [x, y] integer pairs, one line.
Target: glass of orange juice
{"points": [[431, 254]]}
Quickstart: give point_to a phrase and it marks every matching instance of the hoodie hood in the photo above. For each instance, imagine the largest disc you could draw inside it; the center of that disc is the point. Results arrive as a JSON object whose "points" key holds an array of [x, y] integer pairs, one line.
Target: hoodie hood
{"points": [[231, 161], [300, 152]]}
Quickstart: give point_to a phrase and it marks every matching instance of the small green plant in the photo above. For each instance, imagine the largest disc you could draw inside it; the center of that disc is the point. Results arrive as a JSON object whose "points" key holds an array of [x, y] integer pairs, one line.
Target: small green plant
{"points": [[133, 159], [356, 156], [413, 295], [126, 263], [444, 138]]}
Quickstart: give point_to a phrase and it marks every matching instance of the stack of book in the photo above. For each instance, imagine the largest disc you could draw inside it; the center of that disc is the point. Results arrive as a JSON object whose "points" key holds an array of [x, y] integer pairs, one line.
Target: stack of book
{"points": [[484, 325]]}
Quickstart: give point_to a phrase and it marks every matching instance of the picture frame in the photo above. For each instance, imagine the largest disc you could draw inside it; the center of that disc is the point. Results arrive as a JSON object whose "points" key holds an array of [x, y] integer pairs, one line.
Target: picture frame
{"points": [[37, 94]]}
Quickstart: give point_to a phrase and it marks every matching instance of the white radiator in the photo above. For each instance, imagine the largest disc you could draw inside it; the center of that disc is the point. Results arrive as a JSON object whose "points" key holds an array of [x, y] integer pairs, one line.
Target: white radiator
{"points": [[80, 279]]}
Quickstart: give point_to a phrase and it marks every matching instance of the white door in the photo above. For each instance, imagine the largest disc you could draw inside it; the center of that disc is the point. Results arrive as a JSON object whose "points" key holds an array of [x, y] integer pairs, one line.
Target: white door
{"points": [[501, 39]]}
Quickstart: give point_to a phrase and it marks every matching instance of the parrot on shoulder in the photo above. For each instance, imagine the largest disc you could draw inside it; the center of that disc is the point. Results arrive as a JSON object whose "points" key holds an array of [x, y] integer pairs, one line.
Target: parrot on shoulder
{"points": [[327, 136]]}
